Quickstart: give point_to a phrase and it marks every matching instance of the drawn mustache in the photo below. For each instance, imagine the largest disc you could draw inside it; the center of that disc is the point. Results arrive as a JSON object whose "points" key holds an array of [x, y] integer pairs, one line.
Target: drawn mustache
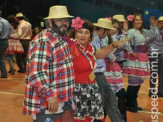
{"points": [[63, 26]]}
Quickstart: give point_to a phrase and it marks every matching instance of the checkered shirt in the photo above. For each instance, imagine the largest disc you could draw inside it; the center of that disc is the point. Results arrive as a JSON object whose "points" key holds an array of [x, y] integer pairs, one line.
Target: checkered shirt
{"points": [[49, 72]]}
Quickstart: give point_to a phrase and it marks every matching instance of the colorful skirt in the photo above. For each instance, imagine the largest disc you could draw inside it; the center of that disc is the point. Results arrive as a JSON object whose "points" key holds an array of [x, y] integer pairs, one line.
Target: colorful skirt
{"points": [[88, 101], [136, 66], [14, 46], [114, 76]]}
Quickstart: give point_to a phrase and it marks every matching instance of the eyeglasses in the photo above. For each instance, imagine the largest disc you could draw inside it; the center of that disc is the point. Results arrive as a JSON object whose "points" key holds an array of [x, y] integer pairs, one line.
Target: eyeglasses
{"points": [[63, 20], [115, 27]]}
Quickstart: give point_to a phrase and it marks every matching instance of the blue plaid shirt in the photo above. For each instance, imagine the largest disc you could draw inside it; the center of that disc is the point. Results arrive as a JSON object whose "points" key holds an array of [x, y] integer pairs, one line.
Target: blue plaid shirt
{"points": [[5, 28], [96, 42], [155, 42]]}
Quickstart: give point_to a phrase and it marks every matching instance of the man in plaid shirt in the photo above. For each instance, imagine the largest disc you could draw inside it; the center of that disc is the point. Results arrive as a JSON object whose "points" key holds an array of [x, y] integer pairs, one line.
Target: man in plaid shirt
{"points": [[49, 80]]}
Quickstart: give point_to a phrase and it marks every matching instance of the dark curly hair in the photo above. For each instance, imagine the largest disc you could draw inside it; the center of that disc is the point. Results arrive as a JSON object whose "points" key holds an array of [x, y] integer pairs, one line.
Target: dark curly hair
{"points": [[87, 24], [13, 20]]}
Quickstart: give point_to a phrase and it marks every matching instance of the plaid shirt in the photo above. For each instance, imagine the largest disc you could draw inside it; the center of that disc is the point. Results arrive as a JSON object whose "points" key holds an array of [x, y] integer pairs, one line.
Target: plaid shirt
{"points": [[49, 72]]}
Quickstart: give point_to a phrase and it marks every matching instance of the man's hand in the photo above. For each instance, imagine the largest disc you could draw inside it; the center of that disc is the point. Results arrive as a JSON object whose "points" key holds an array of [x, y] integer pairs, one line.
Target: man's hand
{"points": [[117, 44], [52, 104], [125, 40]]}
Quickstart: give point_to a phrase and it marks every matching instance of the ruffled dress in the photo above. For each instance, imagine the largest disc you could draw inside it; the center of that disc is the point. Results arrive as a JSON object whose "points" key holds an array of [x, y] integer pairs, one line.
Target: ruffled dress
{"points": [[113, 71], [14, 44], [113, 74], [137, 68]]}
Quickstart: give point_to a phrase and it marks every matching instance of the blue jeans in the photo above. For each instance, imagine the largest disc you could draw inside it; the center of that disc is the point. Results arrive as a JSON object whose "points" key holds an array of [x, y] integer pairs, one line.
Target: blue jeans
{"points": [[109, 98], [3, 47]]}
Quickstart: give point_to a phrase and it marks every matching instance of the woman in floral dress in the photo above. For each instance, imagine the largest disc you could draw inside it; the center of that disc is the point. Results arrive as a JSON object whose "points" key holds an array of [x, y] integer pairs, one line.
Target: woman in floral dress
{"points": [[87, 97]]}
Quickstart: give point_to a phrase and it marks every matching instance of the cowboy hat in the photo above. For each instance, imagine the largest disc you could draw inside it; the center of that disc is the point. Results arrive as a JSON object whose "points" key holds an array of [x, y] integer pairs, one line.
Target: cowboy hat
{"points": [[104, 23], [58, 11], [119, 17], [160, 18], [19, 15]]}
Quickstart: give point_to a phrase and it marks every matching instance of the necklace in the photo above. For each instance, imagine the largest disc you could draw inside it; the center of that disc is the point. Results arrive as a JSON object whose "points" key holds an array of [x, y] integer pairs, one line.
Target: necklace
{"points": [[91, 75]]}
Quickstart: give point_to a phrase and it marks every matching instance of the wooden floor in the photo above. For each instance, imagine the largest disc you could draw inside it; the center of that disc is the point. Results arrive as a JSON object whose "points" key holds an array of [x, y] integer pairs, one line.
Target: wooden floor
{"points": [[12, 93]]}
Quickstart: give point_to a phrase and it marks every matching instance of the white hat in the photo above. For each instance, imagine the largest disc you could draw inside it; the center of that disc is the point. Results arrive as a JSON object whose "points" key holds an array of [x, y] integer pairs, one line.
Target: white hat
{"points": [[119, 17], [58, 12], [160, 18], [104, 23], [19, 15]]}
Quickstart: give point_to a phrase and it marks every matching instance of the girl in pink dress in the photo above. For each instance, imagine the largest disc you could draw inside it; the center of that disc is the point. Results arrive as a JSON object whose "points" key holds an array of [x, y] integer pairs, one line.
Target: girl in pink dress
{"points": [[14, 43], [113, 71], [136, 66]]}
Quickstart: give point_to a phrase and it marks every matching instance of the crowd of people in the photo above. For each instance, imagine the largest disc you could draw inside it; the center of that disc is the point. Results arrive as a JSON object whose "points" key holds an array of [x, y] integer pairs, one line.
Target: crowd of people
{"points": [[74, 68]]}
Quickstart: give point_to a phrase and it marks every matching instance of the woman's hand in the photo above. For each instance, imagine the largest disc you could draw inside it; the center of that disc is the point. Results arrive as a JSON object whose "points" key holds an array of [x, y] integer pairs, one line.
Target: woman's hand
{"points": [[134, 54], [111, 64]]}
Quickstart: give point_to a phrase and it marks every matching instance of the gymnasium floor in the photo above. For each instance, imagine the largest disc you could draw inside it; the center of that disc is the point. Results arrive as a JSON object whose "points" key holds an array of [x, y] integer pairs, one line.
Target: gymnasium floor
{"points": [[12, 93]]}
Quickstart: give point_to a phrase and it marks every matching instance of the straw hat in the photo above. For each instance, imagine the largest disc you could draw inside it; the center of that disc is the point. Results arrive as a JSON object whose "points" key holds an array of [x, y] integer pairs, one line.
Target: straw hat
{"points": [[104, 23], [58, 12], [19, 15], [160, 18], [119, 17]]}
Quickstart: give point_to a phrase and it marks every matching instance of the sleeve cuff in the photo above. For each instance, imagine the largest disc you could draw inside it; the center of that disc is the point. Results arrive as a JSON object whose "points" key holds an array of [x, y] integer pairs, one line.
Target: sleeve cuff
{"points": [[113, 59], [130, 52], [50, 93]]}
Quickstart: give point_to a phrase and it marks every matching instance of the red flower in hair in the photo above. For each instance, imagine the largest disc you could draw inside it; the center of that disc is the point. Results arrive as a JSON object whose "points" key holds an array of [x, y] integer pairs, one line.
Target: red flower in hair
{"points": [[77, 23], [130, 17]]}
